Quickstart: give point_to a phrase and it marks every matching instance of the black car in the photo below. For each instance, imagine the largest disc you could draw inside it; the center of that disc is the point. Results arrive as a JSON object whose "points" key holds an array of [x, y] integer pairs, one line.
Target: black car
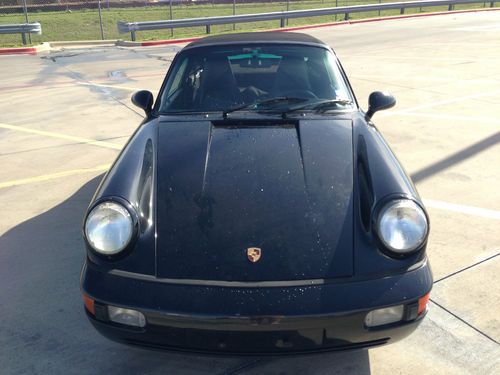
{"points": [[256, 210]]}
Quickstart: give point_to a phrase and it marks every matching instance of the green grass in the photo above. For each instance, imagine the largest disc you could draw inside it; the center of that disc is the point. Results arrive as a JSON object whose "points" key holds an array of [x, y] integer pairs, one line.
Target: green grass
{"points": [[84, 24]]}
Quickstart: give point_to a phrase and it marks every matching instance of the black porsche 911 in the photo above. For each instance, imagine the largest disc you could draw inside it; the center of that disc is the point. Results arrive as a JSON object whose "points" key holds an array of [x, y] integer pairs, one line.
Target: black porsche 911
{"points": [[256, 210]]}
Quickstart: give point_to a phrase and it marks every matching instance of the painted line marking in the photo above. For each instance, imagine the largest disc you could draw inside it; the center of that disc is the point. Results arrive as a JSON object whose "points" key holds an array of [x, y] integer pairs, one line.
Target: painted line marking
{"points": [[443, 102], [107, 86], [471, 119], [73, 138], [403, 79], [457, 44], [68, 84], [468, 210], [52, 176], [46, 84], [405, 58], [482, 28]]}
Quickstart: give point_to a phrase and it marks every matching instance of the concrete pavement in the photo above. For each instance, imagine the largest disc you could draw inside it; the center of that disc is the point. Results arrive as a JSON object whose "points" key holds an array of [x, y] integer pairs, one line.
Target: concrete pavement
{"points": [[445, 128]]}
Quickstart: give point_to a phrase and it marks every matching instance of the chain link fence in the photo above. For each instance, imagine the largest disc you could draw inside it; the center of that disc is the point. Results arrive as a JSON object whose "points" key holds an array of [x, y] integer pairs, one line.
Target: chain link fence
{"points": [[64, 20]]}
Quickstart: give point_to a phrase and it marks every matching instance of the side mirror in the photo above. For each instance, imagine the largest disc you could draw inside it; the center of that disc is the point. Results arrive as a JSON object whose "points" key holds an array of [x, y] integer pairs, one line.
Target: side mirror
{"points": [[377, 101], [143, 99]]}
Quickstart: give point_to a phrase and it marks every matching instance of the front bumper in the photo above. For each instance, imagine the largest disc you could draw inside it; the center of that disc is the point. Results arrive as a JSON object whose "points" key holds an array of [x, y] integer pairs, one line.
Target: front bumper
{"points": [[271, 320]]}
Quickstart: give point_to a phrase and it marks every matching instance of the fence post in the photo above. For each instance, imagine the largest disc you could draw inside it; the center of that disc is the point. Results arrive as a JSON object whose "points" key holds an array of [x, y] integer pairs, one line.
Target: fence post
{"points": [[132, 35], [208, 29], [450, 7], [287, 9], [492, 4], [23, 35], [171, 18], [336, 6], [402, 11], [100, 19], [346, 17], [25, 10], [234, 13], [282, 22]]}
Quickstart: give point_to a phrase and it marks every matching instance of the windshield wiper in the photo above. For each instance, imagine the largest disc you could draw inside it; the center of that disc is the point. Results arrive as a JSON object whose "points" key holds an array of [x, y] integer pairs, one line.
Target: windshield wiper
{"points": [[264, 102], [320, 105]]}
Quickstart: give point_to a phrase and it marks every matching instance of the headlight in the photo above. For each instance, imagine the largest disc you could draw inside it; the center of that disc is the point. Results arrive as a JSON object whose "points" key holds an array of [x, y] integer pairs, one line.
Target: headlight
{"points": [[109, 228], [402, 226]]}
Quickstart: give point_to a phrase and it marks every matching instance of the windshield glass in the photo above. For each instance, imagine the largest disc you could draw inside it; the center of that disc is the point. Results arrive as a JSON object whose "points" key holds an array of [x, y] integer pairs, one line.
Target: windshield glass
{"points": [[225, 77]]}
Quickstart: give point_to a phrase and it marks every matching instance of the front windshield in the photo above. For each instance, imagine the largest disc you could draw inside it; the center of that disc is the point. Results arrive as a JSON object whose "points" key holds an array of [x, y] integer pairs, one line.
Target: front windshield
{"points": [[225, 77]]}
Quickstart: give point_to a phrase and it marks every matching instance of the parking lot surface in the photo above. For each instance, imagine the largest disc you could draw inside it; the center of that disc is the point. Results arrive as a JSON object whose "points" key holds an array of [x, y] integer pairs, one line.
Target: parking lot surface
{"points": [[65, 115]]}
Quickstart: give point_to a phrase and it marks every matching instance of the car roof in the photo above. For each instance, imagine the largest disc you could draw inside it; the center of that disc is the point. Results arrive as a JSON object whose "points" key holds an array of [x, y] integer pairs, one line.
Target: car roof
{"points": [[278, 37]]}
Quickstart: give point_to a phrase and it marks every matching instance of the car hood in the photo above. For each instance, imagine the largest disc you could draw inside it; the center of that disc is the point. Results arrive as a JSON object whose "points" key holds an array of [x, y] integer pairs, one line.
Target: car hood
{"points": [[285, 187]]}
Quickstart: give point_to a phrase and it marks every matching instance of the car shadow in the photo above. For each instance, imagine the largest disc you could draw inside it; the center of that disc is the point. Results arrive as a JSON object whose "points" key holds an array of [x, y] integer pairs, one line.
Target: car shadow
{"points": [[43, 328]]}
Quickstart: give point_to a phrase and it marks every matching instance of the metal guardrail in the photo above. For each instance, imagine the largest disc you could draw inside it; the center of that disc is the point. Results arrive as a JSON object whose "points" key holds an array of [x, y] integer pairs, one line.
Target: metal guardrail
{"points": [[133, 27], [22, 28]]}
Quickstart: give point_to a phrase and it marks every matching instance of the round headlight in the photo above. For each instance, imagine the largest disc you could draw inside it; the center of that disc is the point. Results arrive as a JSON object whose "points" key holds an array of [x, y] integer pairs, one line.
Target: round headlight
{"points": [[109, 228], [402, 226]]}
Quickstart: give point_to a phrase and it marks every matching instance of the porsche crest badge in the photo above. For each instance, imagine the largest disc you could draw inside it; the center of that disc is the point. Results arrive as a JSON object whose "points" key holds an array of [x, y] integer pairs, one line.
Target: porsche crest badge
{"points": [[253, 254]]}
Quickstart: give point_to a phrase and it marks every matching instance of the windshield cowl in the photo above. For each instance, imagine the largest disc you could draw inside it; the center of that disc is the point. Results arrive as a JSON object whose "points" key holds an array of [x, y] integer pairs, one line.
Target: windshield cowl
{"points": [[250, 115]]}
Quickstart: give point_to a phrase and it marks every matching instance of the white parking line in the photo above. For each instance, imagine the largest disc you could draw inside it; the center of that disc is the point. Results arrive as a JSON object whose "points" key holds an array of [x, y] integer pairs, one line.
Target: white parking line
{"points": [[468, 210], [422, 57], [372, 77], [482, 28], [459, 45], [469, 119], [107, 86], [444, 102]]}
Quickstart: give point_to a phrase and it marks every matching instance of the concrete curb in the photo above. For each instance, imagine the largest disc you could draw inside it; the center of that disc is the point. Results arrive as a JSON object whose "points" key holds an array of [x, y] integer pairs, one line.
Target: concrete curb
{"points": [[47, 46], [127, 43], [44, 47], [81, 43], [150, 43]]}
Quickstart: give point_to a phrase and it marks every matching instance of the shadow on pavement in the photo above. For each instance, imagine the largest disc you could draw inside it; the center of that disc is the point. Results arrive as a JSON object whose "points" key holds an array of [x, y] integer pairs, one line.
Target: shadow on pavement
{"points": [[43, 328], [456, 158]]}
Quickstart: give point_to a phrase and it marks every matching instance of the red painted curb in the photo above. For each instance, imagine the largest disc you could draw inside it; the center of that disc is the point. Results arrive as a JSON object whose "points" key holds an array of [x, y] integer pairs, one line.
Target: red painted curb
{"points": [[18, 51]]}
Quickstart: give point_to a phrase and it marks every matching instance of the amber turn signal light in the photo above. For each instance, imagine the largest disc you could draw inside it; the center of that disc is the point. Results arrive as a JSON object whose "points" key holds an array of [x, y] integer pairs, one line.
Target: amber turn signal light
{"points": [[422, 303], [89, 304]]}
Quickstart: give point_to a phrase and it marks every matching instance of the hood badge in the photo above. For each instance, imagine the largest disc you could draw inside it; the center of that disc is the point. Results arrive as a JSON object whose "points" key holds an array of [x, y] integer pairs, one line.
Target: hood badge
{"points": [[254, 254]]}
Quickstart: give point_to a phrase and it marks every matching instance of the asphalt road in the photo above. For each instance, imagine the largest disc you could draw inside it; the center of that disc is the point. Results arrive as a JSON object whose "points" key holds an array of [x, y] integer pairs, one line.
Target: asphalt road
{"points": [[65, 115]]}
